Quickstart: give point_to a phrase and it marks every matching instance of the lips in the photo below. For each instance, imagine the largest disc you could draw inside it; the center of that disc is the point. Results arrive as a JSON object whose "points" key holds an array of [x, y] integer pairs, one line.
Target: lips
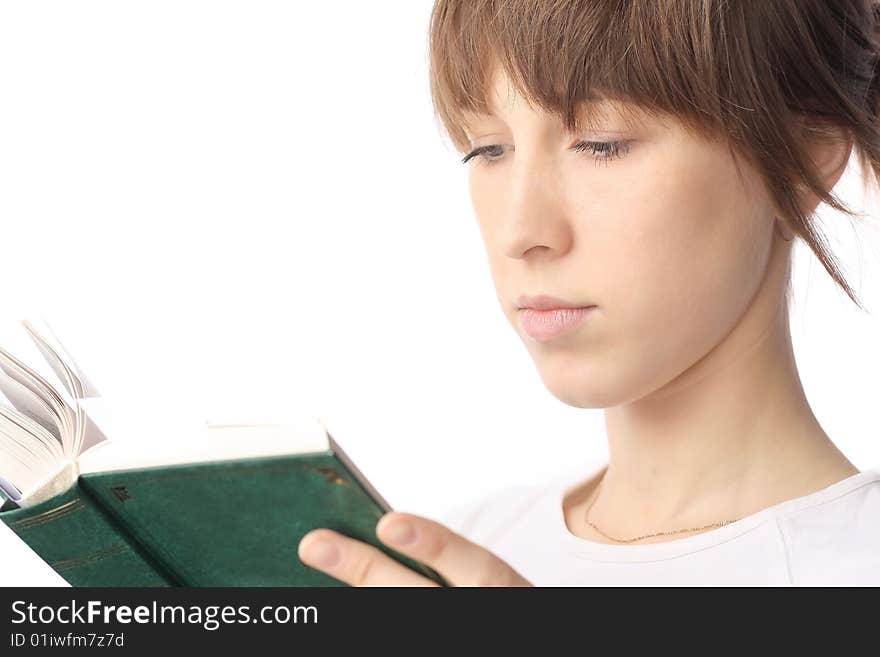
{"points": [[545, 325], [546, 302]]}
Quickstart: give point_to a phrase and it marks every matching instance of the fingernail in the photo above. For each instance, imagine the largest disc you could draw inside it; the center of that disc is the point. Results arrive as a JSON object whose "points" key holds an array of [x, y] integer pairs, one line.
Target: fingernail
{"points": [[323, 553], [400, 533]]}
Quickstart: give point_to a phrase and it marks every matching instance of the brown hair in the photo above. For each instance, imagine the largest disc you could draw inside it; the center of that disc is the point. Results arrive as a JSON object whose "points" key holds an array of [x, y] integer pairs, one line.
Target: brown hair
{"points": [[737, 68]]}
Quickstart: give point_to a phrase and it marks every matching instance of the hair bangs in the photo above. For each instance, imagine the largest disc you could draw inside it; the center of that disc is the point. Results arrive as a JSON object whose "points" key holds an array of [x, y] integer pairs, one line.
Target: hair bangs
{"points": [[564, 62], [767, 78]]}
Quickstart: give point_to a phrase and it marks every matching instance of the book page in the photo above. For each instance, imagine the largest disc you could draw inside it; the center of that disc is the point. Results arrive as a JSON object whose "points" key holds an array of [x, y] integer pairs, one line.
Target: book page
{"points": [[56, 481], [67, 418], [24, 401], [155, 444], [58, 357]]}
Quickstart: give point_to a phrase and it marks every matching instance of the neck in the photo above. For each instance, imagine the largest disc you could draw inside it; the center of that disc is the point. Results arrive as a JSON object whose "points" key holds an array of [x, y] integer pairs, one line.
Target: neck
{"points": [[732, 435]]}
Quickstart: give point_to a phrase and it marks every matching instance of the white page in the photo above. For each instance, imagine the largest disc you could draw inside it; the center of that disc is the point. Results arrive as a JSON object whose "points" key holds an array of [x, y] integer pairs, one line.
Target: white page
{"points": [[16, 340], [153, 444], [23, 400], [53, 351]]}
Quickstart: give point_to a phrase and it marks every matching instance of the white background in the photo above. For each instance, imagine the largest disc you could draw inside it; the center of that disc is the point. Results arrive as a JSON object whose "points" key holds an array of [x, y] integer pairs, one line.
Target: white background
{"points": [[243, 210]]}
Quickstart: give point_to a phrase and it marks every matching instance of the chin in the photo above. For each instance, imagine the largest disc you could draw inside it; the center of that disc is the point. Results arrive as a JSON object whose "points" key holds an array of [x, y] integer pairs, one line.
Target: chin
{"points": [[580, 391]]}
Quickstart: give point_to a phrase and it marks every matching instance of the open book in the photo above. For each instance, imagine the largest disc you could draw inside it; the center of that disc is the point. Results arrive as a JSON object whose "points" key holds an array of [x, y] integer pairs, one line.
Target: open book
{"points": [[225, 504], [48, 434], [42, 431]]}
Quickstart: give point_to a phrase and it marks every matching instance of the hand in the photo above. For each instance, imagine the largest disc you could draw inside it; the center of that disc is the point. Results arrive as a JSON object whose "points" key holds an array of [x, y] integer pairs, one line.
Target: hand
{"points": [[460, 561]]}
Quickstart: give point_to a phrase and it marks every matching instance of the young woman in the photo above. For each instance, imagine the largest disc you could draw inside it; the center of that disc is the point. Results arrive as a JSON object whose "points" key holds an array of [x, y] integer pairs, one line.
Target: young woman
{"points": [[639, 172]]}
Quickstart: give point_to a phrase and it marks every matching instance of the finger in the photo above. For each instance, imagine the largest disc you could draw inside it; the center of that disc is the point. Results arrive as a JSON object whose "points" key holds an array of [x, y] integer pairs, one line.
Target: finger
{"points": [[354, 562], [460, 561]]}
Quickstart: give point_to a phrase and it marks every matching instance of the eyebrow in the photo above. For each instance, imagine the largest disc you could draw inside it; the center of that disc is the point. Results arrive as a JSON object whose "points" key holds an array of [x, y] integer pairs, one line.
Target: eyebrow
{"points": [[594, 96], [592, 106]]}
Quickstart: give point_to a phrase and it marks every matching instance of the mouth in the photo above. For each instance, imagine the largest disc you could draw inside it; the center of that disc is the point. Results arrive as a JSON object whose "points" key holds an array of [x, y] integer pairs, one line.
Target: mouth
{"points": [[544, 325], [546, 302]]}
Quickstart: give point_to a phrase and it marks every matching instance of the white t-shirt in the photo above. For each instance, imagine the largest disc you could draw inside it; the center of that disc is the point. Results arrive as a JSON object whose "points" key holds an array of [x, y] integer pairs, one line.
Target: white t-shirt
{"points": [[830, 537]]}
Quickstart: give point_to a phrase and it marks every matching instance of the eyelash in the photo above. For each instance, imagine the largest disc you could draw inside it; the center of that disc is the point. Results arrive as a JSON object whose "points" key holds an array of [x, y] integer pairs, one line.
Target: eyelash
{"points": [[603, 151]]}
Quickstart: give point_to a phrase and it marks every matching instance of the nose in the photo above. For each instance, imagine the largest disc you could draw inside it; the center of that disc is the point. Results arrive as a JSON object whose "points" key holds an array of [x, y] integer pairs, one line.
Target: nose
{"points": [[534, 221]]}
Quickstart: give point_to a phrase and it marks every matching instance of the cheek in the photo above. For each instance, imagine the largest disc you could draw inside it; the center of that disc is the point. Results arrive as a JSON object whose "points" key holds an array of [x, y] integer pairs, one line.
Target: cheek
{"points": [[689, 252], [485, 191]]}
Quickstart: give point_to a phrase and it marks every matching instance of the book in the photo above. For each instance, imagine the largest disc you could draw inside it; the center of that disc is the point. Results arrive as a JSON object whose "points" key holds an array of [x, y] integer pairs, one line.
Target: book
{"points": [[219, 505]]}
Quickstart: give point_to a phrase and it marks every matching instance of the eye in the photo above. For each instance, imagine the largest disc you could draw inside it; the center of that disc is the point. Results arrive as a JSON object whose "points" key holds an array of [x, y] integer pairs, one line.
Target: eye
{"points": [[481, 154], [601, 151]]}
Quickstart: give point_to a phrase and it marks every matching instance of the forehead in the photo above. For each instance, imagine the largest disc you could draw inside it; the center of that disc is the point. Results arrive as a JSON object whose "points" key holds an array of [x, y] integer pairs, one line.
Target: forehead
{"points": [[503, 99]]}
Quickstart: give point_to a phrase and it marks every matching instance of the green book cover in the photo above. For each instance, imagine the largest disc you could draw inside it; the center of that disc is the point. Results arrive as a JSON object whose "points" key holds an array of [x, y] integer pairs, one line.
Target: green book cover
{"points": [[72, 534], [227, 507], [233, 522]]}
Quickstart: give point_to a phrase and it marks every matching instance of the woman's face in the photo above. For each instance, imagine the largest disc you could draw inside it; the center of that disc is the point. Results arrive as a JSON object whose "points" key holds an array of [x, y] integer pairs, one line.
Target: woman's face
{"points": [[665, 239]]}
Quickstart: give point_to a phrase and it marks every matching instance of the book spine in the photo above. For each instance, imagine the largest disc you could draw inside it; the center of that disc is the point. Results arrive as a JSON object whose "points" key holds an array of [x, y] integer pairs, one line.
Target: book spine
{"points": [[81, 542]]}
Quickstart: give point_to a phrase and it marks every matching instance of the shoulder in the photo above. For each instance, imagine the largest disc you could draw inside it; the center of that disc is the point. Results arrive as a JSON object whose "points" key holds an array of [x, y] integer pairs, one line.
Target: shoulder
{"points": [[837, 540]]}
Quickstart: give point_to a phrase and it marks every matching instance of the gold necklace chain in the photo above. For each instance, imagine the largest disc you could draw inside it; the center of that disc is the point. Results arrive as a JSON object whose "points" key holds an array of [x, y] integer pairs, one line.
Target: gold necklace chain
{"points": [[638, 538]]}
